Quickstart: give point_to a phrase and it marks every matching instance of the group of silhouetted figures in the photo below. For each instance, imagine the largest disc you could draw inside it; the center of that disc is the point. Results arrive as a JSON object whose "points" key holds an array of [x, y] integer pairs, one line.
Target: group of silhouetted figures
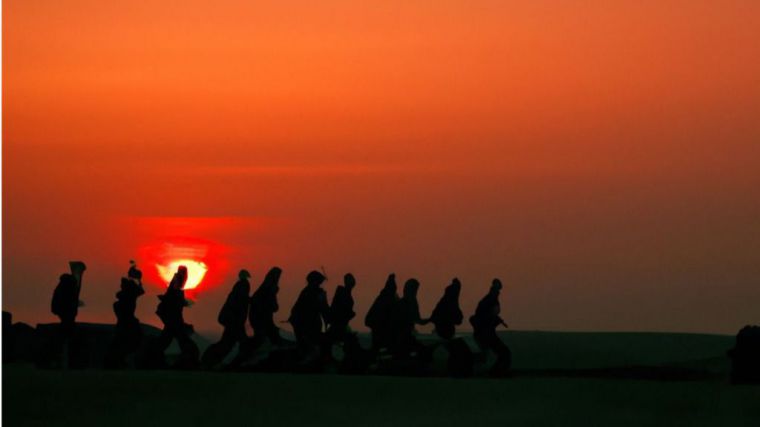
{"points": [[319, 327]]}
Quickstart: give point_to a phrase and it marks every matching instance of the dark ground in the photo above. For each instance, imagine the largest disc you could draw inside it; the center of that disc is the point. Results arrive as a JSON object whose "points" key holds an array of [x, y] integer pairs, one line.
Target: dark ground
{"points": [[99, 398], [559, 379]]}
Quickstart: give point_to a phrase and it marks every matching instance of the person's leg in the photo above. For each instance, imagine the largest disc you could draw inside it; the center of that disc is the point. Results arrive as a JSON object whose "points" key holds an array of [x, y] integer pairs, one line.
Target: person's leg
{"points": [[218, 351], [503, 353], [230, 337], [68, 325], [384, 338], [375, 340], [115, 355], [134, 337], [165, 339], [248, 346], [190, 351], [325, 344], [300, 338], [337, 332], [309, 343], [273, 333], [212, 355], [481, 339], [242, 339]]}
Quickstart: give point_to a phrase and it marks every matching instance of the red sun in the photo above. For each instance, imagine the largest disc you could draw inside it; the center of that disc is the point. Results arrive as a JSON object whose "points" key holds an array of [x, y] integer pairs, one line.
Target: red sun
{"points": [[196, 270], [206, 262]]}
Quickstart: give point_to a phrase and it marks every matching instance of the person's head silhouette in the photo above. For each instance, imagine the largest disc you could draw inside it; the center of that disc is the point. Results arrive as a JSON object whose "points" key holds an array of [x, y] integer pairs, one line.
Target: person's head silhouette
{"points": [[410, 288], [273, 276], [315, 278], [349, 281], [390, 284], [453, 290]]}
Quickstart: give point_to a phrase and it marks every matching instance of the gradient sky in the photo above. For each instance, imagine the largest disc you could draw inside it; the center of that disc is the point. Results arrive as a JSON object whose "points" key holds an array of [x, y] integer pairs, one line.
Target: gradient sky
{"points": [[602, 158]]}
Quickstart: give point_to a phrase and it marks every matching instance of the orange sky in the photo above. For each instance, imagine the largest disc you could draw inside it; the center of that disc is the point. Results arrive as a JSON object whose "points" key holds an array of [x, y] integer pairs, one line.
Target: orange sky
{"points": [[602, 158]]}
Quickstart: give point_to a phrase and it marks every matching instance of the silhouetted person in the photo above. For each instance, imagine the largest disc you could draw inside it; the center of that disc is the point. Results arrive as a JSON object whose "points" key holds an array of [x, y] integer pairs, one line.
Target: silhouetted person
{"points": [[447, 314], [232, 316], [745, 356], [131, 289], [65, 305], [484, 323], [342, 310], [128, 333], [446, 317], [308, 314], [404, 317], [262, 307], [378, 318], [66, 302], [170, 310]]}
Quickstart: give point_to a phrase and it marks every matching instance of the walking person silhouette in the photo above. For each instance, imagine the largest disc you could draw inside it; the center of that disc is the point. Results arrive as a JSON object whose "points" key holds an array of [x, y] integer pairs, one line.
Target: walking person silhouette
{"points": [[65, 304], [261, 309], [170, 311], [309, 314], [232, 316], [447, 315], [484, 323], [378, 318], [404, 317], [342, 310], [128, 334]]}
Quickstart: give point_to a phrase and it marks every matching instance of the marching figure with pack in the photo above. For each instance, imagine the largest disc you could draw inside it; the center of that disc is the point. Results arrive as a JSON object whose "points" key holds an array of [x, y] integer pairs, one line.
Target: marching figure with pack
{"points": [[404, 317], [342, 310], [308, 316], [484, 323], [232, 317], [261, 309], [65, 304], [170, 311], [128, 333], [447, 315], [378, 318], [745, 356]]}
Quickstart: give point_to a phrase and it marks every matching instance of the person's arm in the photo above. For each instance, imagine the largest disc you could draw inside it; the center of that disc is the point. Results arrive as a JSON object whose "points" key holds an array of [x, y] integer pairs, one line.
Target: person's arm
{"points": [[336, 298], [418, 318], [501, 322], [324, 308], [335, 307]]}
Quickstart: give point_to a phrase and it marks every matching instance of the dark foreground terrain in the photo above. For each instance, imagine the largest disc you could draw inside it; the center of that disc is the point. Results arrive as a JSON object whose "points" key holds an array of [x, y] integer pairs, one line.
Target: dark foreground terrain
{"points": [[617, 379], [101, 398]]}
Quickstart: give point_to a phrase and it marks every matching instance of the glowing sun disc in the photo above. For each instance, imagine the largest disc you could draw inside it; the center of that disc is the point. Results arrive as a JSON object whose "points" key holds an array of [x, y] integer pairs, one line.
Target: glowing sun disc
{"points": [[195, 271]]}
